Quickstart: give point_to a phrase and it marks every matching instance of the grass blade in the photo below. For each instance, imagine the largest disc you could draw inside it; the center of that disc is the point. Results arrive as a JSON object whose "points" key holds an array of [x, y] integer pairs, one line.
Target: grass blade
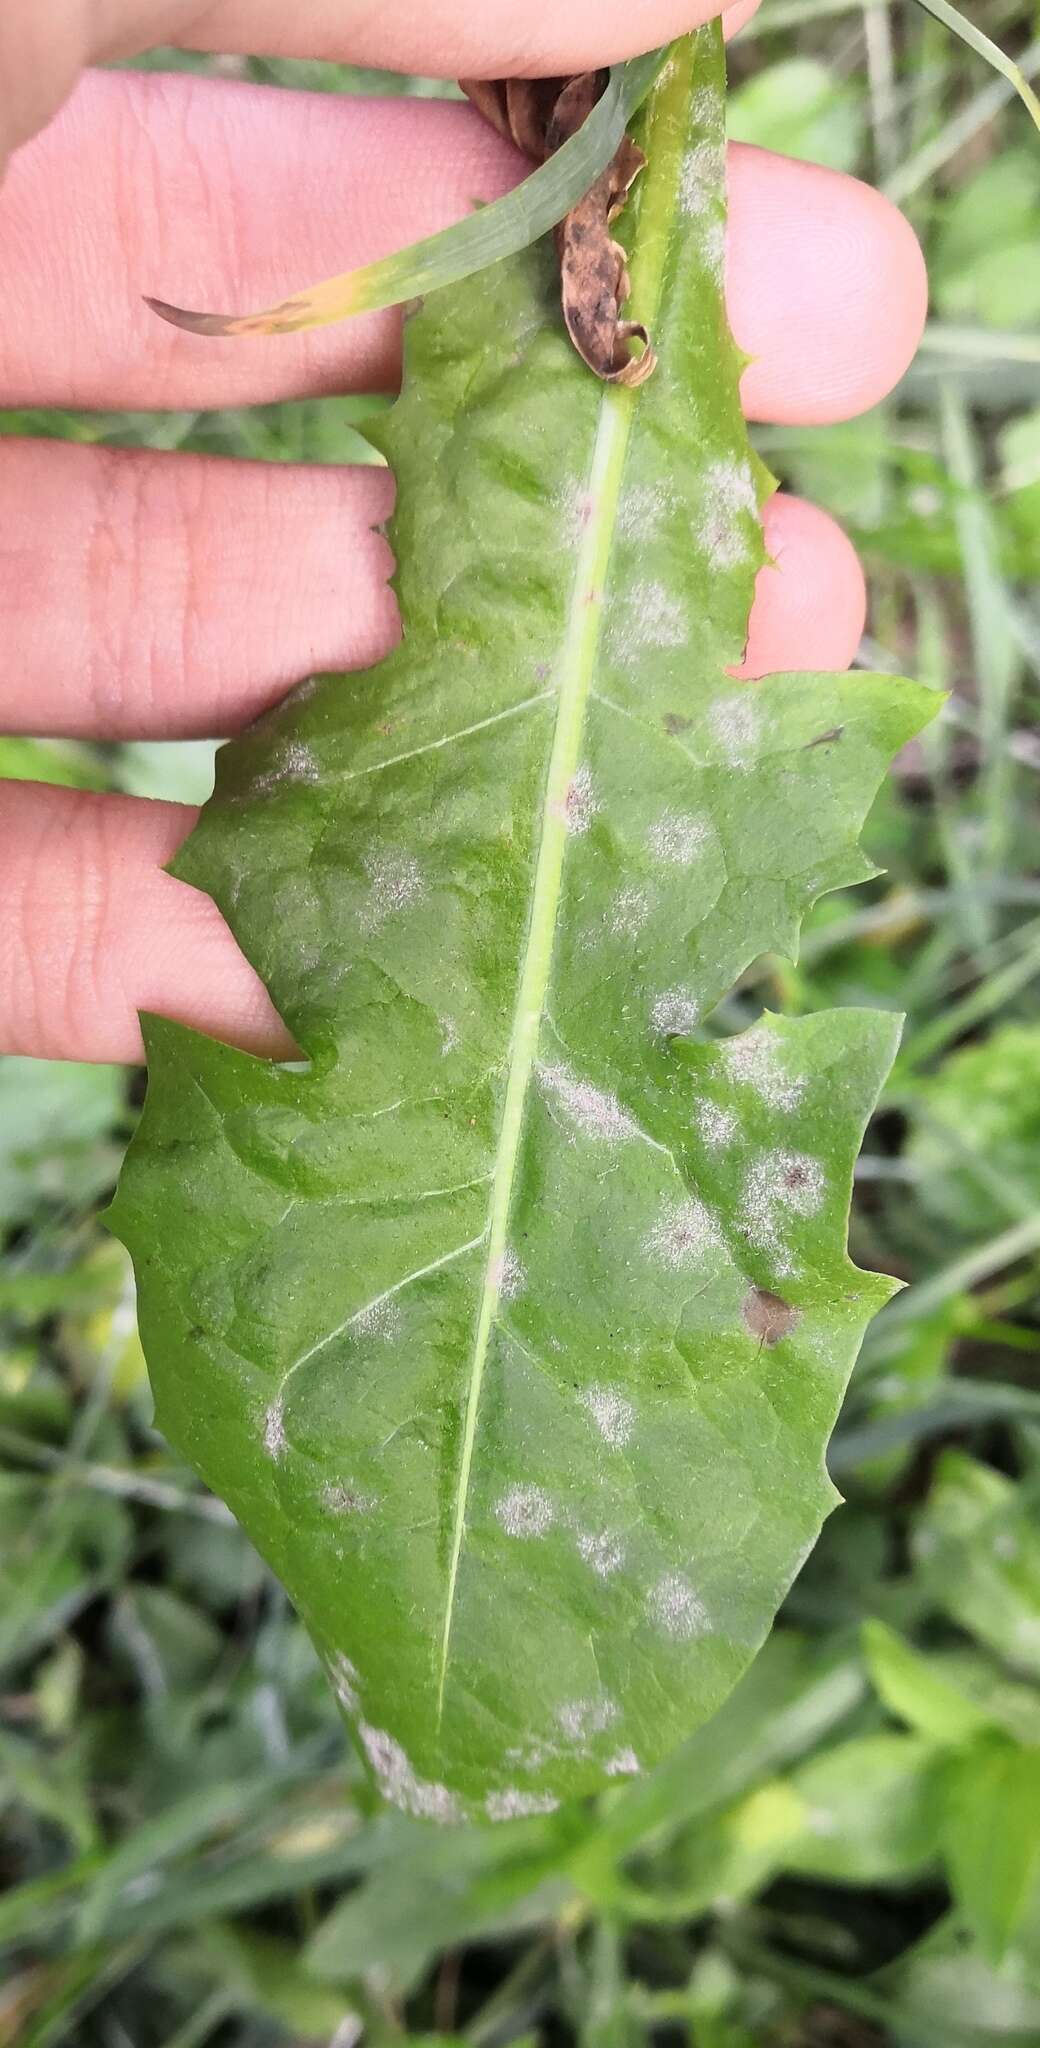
{"points": [[983, 46], [502, 229]]}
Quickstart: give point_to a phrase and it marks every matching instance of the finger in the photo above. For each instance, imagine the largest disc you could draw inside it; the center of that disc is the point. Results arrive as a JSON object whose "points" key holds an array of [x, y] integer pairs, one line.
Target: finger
{"points": [[92, 931], [810, 603], [166, 596], [179, 595], [454, 39], [227, 196]]}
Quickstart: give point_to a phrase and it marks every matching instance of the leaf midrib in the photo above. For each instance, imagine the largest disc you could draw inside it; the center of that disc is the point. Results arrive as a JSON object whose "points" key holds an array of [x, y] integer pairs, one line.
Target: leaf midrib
{"points": [[581, 640]]}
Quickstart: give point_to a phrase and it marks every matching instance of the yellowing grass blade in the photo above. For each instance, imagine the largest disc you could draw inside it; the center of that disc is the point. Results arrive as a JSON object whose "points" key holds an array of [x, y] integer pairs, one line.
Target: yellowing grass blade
{"points": [[502, 229]]}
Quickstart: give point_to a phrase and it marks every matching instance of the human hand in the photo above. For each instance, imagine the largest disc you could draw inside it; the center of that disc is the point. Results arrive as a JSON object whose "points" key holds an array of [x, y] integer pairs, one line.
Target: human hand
{"points": [[150, 595]]}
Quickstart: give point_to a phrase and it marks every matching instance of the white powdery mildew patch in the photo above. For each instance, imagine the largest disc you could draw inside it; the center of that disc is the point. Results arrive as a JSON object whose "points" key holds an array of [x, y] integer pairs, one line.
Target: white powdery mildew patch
{"points": [[582, 1719], [734, 723], [576, 505], [625, 1764], [602, 1551], [593, 1111], [450, 1040], [774, 1183], [674, 1014], [295, 763], [346, 1499], [754, 1059], [509, 1275], [613, 1416], [713, 246], [399, 1782], [525, 1511], [677, 838], [717, 1126], [395, 882], [683, 1233], [700, 178], [628, 913], [514, 1805], [345, 1681], [651, 617], [580, 805], [275, 1440], [642, 508], [676, 1608], [706, 111], [380, 1319], [729, 497]]}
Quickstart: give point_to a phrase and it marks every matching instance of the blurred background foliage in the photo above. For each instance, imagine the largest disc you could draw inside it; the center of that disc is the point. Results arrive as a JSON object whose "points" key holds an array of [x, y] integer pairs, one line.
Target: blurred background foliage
{"points": [[849, 1855]]}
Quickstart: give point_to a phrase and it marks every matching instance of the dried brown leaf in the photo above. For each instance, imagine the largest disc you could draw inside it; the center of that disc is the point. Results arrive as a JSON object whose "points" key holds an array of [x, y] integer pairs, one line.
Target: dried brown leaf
{"points": [[538, 115]]}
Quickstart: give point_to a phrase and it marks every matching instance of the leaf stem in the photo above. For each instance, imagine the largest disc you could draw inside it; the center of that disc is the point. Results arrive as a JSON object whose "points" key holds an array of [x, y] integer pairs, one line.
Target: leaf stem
{"points": [[666, 132]]}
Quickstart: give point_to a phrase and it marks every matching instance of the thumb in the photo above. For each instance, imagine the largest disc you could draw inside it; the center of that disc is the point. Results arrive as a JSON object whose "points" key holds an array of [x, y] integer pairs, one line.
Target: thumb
{"points": [[454, 38], [43, 49]]}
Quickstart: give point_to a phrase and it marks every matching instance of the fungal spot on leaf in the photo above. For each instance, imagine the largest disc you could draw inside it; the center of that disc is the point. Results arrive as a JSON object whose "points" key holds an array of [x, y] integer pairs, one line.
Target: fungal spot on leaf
{"points": [[730, 498], [379, 1319], [700, 178], [580, 805], [717, 1126], [776, 1182], [275, 1441], [514, 1805], [603, 1552], [648, 617], [399, 1782], [677, 838], [683, 1234], [754, 1059], [676, 1608], [581, 1719], [675, 1014], [629, 913], [576, 505], [510, 1276], [525, 1511], [347, 1500], [768, 1316], [624, 1764], [611, 1413], [734, 723], [674, 723], [593, 1111], [395, 882], [641, 510], [345, 1680]]}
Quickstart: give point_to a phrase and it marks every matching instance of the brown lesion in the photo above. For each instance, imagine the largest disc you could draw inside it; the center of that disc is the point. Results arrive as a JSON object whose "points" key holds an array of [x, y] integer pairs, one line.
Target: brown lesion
{"points": [[290, 317], [768, 1316], [539, 115]]}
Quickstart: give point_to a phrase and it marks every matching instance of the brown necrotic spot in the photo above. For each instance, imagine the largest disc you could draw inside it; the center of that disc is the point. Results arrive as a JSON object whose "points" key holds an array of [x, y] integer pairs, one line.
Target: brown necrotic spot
{"points": [[768, 1316]]}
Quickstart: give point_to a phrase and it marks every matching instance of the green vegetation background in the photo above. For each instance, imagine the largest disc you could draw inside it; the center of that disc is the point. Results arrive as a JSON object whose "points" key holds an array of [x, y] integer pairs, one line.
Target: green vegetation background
{"points": [[850, 1854]]}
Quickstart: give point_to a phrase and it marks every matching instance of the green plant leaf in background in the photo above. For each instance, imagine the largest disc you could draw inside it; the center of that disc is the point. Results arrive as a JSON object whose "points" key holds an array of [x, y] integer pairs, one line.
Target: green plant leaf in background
{"points": [[992, 1838], [513, 1320]]}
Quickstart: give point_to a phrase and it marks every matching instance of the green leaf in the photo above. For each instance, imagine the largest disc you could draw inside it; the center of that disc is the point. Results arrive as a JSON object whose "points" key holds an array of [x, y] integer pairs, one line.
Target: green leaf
{"points": [[56, 1120], [917, 1691], [484, 237], [513, 1322], [978, 1550], [992, 1839], [872, 1810]]}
